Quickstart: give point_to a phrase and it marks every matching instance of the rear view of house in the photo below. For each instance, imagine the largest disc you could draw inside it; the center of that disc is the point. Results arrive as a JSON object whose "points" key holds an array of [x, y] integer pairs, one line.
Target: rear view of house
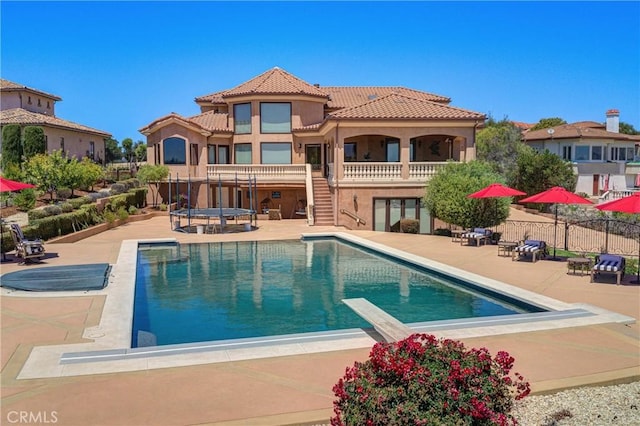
{"points": [[358, 157]]}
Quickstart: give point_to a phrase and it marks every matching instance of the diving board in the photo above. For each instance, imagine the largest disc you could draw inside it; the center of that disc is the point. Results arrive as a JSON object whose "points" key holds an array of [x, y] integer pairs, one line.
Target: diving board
{"points": [[389, 327]]}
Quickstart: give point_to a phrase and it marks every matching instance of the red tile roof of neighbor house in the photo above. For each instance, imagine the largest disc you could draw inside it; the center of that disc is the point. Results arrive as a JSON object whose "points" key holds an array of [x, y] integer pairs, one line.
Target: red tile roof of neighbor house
{"points": [[582, 129], [10, 86], [28, 118], [397, 106]]}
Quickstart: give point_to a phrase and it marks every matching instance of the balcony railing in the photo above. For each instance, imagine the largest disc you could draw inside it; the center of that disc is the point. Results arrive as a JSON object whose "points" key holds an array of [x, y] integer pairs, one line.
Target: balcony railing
{"points": [[352, 172], [262, 172], [387, 172]]}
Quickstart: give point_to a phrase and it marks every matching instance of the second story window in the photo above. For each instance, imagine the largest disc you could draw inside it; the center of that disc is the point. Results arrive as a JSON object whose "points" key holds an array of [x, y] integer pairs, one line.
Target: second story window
{"points": [[92, 150], [242, 153], [175, 151], [621, 154], [211, 154], [242, 118], [566, 152], [275, 117], [275, 153]]}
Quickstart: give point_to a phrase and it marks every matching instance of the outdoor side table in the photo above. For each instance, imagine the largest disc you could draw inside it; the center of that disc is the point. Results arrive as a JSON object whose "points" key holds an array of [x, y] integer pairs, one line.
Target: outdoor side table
{"points": [[505, 248], [456, 234], [583, 264]]}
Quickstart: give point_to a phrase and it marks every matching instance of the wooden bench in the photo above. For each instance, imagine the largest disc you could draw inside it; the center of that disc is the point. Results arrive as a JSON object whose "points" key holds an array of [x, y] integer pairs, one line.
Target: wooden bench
{"points": [[389, 327]]}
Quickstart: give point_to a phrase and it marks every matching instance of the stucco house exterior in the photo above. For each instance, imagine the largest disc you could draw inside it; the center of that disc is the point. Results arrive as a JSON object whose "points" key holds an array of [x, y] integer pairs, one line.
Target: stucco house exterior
{"points": [[603, 158], [358, 157], [26, 106]]}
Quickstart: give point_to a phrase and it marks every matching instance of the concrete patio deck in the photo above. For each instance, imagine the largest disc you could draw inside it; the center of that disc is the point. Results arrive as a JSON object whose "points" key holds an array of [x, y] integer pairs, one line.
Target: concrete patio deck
{"points": [[288, 389]]}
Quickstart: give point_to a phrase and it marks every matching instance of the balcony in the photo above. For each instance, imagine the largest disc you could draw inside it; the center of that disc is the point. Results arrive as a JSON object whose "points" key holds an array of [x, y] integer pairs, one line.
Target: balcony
{"points": [[381, 173], [262, 172], [386, 173]]}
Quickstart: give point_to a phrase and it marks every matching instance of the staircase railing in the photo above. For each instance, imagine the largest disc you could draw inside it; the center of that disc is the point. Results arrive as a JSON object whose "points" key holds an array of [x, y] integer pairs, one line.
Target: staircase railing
{"points": [[354, 216], [308, 183]]}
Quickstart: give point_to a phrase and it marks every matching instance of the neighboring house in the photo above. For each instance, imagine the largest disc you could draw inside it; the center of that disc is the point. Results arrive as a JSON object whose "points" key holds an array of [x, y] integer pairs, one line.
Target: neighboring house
{"points": [[602, 157], [30, 107], [358, 157]]}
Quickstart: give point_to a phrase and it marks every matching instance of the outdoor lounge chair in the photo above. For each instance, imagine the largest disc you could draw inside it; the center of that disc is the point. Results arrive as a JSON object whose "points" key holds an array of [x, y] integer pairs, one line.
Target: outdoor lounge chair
{"points": [[26, 248], [535, 248], [479, 235], [609, 264]]}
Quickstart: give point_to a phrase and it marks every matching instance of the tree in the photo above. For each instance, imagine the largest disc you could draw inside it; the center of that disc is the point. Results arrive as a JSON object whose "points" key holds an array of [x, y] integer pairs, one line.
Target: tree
{"points": [[140, 151], [446, 195], [112, 150], [91, 173], [546, 123], [11, 145], [46, 171], [628, 129], [537, 172], [153, 174], [499, 143], [127, 150], [34, 141]]}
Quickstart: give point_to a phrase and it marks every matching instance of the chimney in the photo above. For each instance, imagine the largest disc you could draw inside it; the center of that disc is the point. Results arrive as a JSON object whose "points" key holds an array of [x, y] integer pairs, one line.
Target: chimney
{"points": [[613, 121]]}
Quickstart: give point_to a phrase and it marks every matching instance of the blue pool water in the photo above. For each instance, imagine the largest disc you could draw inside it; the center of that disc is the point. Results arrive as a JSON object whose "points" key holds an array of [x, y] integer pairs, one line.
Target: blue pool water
{"points": [[218, 291]]}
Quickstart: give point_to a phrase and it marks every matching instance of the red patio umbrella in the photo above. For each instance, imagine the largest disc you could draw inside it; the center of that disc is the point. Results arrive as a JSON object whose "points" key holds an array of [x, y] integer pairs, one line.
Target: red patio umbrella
{"points": [[8, 185], [556, 195], [496, 190], [631, 205]]}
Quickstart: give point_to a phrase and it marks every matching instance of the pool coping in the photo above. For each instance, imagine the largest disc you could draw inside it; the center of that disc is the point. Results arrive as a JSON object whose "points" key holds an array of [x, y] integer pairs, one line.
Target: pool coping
{"points": [[113, 334]]}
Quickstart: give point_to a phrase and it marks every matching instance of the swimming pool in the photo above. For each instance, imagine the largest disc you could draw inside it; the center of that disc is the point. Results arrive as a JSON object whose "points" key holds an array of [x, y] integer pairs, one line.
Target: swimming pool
{"points": [[231, 290]]}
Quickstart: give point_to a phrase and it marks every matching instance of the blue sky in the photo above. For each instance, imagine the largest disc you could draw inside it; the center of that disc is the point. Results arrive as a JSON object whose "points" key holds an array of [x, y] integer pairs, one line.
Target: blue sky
{"points": [[120, 65]]}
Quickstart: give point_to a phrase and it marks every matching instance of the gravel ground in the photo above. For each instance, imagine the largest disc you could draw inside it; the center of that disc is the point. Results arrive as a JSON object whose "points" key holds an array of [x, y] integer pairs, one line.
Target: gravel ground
{"points": [[586, 406]]}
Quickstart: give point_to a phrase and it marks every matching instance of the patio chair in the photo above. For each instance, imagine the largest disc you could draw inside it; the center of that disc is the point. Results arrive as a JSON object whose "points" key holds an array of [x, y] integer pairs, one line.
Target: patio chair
{"points": [[535, 248], [479, 235], [26, 248], [609, 264]]}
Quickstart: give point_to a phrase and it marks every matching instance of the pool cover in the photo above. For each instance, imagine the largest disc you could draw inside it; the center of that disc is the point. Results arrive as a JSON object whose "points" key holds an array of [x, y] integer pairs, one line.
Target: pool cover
{"points": [[59, 278]]}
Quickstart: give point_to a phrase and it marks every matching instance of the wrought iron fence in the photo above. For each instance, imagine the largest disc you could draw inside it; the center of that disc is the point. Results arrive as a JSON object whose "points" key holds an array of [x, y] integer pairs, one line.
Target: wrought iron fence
{"points": [[602, 235]]}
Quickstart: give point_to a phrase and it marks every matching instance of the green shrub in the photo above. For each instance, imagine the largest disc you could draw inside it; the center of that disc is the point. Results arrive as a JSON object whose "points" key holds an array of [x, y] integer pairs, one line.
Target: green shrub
{"points": [[25, 200], [122, 213], [36, 214], [133, 210], [109, 216], [63, 193], [410, 226], [80, 201], [425, 381], [163, 207], [118, 188], [140, 195], [66, 207], [52, 210]]}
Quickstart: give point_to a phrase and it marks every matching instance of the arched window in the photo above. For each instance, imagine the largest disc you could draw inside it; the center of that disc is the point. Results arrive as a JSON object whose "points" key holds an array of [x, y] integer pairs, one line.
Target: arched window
{"points": [[175, 151]]}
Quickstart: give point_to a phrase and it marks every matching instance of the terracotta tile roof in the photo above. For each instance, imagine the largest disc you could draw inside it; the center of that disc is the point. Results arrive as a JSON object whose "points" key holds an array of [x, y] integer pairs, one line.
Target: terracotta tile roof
{"points": [[593, 124], [344, 97], [275, 81], [576, 131], [24, 117], [522, 125], [278, 81], [397, 106], [10, 86], [212, 121], [215, 98]]}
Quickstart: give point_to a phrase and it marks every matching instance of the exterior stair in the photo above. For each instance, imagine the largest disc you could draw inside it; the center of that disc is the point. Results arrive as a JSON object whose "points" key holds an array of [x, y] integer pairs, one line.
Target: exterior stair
{"points": [[323, 212]]}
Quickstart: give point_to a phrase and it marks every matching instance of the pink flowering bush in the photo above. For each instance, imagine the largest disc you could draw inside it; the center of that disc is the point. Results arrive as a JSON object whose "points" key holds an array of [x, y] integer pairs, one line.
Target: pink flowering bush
{"points": [[425, 381]]}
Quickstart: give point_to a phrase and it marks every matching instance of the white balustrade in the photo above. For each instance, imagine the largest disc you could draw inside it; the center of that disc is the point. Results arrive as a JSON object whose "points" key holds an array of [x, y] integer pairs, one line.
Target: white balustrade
{"points": [[262, 172]]}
